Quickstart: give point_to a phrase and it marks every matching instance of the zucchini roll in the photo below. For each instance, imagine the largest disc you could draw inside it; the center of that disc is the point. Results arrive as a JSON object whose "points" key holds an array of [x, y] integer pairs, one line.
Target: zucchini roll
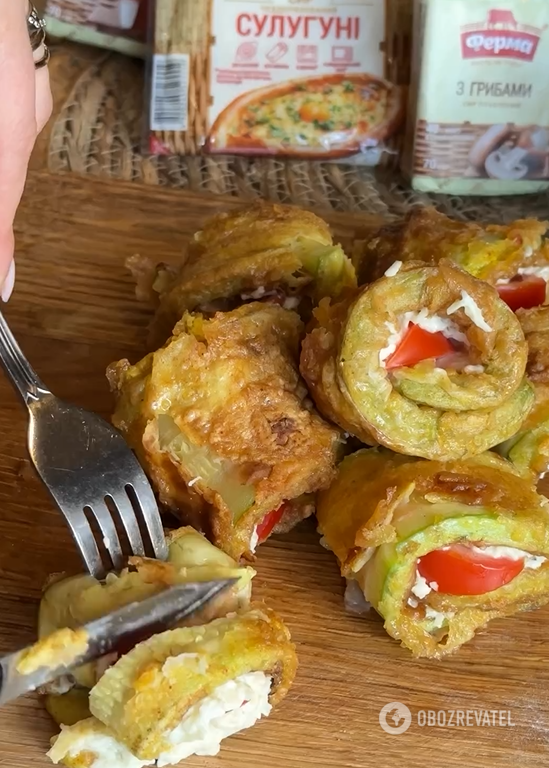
{"points": [[513, 257], [182, 692], [438, 548], [265, 252], [427, 361], [77, 600], [529, 448], [221, 421]]}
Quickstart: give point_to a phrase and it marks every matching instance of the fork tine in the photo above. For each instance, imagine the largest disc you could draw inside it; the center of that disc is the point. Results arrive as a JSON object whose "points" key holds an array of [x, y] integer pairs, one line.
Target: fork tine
{"points": [[85, 540], [110, 534], [140, 494], [129, 521]]}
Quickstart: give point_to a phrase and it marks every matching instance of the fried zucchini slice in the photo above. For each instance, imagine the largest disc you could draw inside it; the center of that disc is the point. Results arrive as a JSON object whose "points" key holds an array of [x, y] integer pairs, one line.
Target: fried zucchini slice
{"points": [[448, 407], [274, 253], [162, 689], [77, 600], [494, 252], [385, 516], [221, 412], [529, 448]]}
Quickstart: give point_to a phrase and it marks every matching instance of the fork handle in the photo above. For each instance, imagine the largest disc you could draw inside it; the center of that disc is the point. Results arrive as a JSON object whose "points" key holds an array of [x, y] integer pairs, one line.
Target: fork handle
{"points": [[17, 367]]}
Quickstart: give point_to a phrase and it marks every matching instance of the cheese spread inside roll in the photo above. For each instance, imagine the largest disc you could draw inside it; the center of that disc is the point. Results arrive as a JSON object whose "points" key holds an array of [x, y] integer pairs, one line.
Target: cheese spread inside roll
{"points": [[505, 255], [427, 361], [438, 549], [220, 419], [182, 692], [272, 253]]}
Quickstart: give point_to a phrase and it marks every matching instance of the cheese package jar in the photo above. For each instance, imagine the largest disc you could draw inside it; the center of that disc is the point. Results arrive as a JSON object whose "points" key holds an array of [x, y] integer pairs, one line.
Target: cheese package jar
{"points": [[295, 79], [118, 25], [478, 121]]}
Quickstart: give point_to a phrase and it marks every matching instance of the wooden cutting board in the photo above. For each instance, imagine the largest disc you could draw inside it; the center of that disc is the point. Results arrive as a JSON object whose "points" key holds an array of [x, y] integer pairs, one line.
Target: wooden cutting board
{"points": [[74, 312]]}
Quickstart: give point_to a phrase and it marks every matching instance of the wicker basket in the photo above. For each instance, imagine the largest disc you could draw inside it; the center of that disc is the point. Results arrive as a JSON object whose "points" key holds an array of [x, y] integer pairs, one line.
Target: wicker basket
{"points": [[98, 129]]}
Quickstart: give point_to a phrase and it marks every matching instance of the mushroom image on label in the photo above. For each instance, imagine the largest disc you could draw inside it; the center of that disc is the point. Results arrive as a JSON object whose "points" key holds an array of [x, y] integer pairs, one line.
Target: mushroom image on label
{"points": [[502, 155], [536, 141]]}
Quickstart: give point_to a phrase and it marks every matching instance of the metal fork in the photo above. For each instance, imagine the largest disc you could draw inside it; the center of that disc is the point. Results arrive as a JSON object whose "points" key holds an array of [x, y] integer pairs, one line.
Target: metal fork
{"points": [[89, 470]]}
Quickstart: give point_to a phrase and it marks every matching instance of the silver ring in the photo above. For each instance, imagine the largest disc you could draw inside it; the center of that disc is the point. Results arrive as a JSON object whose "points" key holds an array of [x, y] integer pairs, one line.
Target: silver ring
{"points": [[44, 59], [36, 27]]}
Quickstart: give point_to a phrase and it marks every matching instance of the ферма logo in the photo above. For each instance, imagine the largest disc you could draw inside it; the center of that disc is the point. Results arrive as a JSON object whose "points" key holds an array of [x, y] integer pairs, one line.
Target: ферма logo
{"points": [[500, 36]]}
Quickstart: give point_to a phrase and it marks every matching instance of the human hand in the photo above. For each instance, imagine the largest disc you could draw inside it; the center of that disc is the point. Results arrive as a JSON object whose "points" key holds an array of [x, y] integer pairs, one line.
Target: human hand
{"points": [[26, 108]]}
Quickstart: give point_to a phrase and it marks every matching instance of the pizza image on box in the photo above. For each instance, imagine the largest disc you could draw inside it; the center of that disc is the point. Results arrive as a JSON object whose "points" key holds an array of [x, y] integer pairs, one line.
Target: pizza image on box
{"points": [[327, 116]]}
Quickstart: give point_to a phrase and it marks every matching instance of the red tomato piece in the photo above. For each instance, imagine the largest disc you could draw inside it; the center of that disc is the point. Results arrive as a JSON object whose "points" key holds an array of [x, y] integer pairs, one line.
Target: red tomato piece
{"points": [[459, 570], [265, 527], [416, 345], [523, 294]]}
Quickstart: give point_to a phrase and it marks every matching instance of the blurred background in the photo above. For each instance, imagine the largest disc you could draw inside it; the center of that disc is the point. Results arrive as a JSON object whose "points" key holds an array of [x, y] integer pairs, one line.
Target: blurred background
{"points": [[100, 121]]}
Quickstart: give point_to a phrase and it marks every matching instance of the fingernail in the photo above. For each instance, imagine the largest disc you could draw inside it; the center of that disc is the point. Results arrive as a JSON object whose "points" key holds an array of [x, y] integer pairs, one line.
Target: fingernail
{"points": [[9, 282]]}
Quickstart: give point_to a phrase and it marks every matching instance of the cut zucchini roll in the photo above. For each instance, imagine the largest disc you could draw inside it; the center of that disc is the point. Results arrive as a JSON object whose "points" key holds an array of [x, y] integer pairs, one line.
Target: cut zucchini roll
{"points": [[221, 422], [427, 361], [265, 252], [529, 448], [513, 257], [182, 692], [438, 548], [77, 600]]}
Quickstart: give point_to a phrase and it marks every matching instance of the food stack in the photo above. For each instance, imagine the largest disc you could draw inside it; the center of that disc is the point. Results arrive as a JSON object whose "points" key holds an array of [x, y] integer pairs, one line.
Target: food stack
{"points": [[399, 393]]}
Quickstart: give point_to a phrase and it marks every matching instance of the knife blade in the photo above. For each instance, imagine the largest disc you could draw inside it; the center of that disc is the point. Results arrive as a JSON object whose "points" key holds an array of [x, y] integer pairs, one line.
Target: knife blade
{"points": [[57, 654]]}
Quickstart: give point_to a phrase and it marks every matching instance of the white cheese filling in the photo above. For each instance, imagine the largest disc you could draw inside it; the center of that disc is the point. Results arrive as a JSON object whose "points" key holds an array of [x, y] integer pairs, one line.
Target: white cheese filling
{"points": [[394, 269], [291, 302], [254, 540], [392, 343], [257, 294], [439, 618], [421, 588], [471, 309], [473, 369], [107, 751], [430, 323], [542, 272], [530, 561], [232, 707]]}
